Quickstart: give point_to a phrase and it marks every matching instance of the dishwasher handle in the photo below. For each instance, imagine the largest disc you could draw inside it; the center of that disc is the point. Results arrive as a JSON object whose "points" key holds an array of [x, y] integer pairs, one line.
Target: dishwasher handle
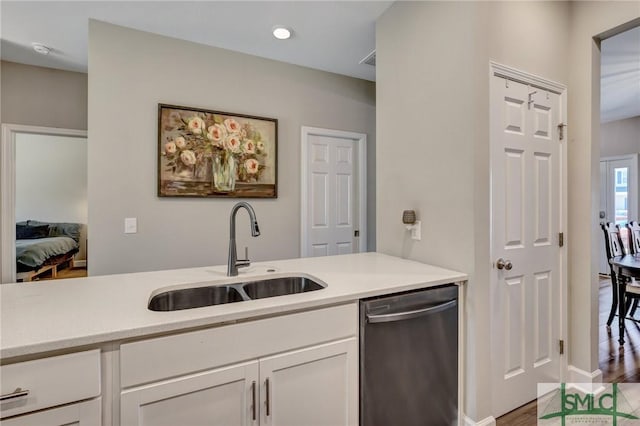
{"points": [[401, 316]]}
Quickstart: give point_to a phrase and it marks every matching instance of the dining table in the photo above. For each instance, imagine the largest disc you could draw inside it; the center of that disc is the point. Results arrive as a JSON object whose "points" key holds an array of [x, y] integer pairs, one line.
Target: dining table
{"points": [[625, 267]]}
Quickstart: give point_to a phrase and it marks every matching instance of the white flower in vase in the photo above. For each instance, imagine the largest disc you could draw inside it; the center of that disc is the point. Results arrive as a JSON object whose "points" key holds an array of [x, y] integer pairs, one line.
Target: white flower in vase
{"points": [[196, 125], [232, 125], [170, 148], [188, 157]]}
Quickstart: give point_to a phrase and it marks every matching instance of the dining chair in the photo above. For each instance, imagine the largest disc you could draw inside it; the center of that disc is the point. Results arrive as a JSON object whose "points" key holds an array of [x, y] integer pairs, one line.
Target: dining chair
{"points": [[613, 248], [634, 236], [633, 229]]}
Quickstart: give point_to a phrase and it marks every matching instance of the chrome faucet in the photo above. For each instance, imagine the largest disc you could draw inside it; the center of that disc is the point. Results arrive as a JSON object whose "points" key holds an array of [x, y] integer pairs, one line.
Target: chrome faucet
{"points": [[232, 262]]}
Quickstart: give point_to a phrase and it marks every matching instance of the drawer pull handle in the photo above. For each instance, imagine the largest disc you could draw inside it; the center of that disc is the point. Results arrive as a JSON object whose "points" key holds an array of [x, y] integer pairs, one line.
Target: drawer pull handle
{"points": [[267, 399], [253, 402], [15, 394]]}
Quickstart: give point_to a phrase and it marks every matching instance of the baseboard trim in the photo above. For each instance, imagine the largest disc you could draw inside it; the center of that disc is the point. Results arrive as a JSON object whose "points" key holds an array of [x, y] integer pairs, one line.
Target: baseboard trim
{"points": [[577, 375], [489, 421], [80, 263]]}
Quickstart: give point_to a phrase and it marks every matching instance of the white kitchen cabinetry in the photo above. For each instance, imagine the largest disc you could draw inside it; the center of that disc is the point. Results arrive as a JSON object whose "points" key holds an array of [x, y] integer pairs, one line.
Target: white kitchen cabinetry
{"points": [[297, 369], [218, 397], [85, 413], [52, 391], [313, 386]]}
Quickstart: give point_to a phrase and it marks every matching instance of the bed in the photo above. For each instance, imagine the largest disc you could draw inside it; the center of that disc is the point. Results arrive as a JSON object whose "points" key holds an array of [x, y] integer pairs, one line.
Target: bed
{"points": [[44, 246]]}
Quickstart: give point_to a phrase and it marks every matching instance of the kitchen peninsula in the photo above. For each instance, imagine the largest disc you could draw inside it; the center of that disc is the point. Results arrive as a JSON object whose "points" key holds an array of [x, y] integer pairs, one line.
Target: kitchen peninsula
{"points": [[108, 357]]}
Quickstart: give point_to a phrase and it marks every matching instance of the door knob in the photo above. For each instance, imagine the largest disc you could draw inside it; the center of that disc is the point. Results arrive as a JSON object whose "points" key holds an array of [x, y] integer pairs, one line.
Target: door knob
{"points": [[504, 264]]}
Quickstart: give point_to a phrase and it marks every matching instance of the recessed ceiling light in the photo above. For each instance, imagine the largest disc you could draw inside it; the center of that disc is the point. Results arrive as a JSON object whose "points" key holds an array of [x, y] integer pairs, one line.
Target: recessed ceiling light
{"points": [[281, 33], [41, 48]]}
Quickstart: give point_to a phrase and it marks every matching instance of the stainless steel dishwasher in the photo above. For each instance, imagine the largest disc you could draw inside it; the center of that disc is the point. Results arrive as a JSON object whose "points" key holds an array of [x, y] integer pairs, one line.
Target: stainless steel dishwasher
{"points": [[409, 358]]}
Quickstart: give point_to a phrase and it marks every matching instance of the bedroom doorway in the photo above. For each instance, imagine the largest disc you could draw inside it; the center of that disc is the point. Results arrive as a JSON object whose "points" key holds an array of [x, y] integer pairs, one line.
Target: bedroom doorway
{"points": [[43, 189]]}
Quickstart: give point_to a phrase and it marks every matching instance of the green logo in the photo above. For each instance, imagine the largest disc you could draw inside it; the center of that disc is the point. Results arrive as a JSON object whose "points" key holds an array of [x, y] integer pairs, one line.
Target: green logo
{"points": [[583, 407]]}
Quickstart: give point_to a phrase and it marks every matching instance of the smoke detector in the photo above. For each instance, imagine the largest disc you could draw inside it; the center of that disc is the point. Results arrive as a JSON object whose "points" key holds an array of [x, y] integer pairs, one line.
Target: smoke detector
{"points": [[41, 48], [370, 59], [281, 33]]}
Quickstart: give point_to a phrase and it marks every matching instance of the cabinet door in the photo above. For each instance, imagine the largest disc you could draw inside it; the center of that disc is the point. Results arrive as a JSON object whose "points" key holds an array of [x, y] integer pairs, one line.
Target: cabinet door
{"points": [[80, 414], [311, 387], [221, 397]]}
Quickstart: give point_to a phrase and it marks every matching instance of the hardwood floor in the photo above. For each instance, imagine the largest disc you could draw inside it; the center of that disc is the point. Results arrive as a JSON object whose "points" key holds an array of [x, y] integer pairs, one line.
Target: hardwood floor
{"points": [[72, 273], [616, 367], [66, 272]]}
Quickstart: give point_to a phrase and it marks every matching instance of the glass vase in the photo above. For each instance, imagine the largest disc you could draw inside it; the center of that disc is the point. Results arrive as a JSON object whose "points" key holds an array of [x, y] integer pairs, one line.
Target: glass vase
{"points": [[224, 173]]}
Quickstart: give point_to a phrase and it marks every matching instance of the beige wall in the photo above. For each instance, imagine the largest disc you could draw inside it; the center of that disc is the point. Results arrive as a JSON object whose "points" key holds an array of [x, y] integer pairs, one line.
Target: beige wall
{"points": [[46, 97], [433, 145], [620, 137], [432, 120], [428, 99], [125, 87], [43, 96]]}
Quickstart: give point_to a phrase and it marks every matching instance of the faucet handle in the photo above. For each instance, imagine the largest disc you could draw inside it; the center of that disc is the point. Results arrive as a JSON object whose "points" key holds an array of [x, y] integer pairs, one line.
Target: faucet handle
{"points": [[246, 256], [243, 263]]}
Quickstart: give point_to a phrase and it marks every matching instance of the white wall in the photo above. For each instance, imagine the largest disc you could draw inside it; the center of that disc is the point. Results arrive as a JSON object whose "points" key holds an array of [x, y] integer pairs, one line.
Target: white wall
{"points": [[130, 72], [433, 151], [620, 137], [51, 179]]}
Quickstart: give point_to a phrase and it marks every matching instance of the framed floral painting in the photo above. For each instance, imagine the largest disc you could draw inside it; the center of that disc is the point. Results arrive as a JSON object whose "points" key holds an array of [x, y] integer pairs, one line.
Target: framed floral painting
{"points": [[204, 153]]}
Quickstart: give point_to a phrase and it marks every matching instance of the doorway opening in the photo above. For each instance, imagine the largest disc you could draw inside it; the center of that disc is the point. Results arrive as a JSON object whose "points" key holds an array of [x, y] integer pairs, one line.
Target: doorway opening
{"points": [[44, 203], [619, 121]]}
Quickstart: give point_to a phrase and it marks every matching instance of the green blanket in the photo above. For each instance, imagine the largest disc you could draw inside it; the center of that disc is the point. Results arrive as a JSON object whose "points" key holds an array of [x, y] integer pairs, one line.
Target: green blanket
{"points": [[33, 254]]}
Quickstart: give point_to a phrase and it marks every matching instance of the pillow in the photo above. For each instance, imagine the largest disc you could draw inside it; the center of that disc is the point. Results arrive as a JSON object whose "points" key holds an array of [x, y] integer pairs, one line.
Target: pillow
{"points": [[60, 229], [65, 230], [25, 232]]}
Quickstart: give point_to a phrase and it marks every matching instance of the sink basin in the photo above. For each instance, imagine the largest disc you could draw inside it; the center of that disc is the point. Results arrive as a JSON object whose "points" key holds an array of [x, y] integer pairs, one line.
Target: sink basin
{"points": [[197, 297], [280, 287], [175, 300]]}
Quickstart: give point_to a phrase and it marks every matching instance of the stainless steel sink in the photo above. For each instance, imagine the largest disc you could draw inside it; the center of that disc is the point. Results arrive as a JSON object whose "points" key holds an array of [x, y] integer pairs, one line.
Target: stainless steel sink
{"points": [[280, 287], [197, 297], [175, 300]]}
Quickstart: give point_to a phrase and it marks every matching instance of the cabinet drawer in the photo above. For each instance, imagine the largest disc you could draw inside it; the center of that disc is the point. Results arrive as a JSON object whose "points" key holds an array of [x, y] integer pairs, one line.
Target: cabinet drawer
{"points": [[50, 381], [171, 356], [86, 413]]}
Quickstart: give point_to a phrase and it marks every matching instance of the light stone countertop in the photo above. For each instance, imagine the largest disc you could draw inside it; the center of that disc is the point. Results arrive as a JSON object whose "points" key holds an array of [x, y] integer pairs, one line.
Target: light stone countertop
{"points": [[62, 314]]}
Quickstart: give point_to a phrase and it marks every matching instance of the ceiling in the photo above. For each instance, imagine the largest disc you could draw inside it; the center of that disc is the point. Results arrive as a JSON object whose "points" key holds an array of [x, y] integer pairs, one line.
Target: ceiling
{"points": [[620, 76], [327, 35]]}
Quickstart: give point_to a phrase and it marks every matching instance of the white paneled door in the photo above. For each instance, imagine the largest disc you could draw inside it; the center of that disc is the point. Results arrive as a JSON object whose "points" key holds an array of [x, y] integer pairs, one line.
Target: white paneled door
{"points": [[333, 207], [526, 255]]}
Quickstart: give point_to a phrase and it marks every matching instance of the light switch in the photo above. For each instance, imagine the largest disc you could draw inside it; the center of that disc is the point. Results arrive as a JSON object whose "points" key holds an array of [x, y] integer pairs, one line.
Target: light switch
{"points": [[130, 225], [416, 231]]}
